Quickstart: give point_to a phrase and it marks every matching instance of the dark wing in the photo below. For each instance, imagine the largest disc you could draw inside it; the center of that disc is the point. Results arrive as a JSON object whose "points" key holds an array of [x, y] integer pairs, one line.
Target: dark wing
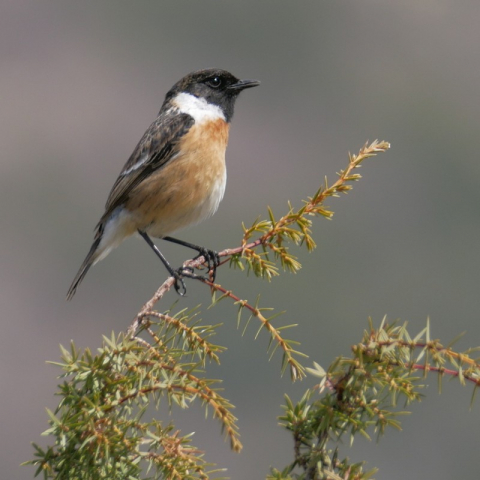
{"points": [[157, 146]]}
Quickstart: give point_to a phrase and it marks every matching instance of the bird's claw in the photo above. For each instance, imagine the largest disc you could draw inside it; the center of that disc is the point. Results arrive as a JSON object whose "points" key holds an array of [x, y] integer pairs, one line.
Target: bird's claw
{"points": [[212, 260], [179, 284]]}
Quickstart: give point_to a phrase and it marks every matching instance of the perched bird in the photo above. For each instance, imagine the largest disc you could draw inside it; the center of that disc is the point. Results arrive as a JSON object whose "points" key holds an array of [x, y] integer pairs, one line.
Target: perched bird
{"points": [[176, 175]]}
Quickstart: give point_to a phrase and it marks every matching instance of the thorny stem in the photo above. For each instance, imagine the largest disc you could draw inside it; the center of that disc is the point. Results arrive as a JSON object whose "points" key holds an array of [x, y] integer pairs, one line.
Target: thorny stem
{"points": [[433, 346], [296, 370], [436, 348], [447, 371], [202, 390], [333, 190]]}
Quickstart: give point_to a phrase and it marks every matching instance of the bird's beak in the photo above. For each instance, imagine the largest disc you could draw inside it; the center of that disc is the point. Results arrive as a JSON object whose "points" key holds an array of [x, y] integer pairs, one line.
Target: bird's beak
{"points": [[243, 84]]}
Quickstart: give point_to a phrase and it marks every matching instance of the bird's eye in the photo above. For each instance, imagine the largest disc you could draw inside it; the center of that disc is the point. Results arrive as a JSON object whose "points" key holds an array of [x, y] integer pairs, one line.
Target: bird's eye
{"points": [[214, 82]]}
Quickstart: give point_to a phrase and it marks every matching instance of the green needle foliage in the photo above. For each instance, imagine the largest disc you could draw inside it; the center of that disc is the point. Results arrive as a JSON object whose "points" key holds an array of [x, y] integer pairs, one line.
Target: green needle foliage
{"points": [[99, 426], [294, 227], [359, 395]]}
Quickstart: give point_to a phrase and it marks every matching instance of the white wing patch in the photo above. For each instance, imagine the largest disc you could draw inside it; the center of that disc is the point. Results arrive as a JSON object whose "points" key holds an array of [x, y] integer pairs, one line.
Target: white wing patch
{"points": [[139, 163], [198, 108]]}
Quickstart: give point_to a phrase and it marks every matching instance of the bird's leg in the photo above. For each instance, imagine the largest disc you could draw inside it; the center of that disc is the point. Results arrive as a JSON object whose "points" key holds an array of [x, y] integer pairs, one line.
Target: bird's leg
{"points": [[211, 258], [182, 289]]}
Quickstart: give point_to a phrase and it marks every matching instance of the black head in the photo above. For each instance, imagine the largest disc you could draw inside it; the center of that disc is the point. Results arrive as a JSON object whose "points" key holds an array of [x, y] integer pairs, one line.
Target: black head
{"points": [[215, 86]]}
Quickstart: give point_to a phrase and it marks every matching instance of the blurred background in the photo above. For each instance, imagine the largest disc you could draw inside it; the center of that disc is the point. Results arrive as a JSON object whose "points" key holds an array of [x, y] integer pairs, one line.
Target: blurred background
{"points": [[79, 84]]}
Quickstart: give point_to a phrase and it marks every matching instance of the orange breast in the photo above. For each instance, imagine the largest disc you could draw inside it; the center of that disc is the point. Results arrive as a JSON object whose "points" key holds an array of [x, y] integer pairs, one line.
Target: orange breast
{"points": [[189, 187]]}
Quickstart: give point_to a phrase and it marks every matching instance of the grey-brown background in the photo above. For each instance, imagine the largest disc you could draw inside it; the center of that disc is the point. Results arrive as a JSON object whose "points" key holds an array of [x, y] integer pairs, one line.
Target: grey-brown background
{"points": [[80, 82]]}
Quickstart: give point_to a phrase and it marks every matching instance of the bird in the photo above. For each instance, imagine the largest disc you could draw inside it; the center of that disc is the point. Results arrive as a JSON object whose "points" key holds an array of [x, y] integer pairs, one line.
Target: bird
{"points": [[176, 175]]}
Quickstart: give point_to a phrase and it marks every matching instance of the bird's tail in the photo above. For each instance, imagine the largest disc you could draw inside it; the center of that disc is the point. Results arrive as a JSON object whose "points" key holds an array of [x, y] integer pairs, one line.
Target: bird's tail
{"points": [[91, 258]]}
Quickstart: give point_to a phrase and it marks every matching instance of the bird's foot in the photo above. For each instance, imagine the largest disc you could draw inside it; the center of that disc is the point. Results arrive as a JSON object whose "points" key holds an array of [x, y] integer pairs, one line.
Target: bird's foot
{"points": [[212, 260], [179, 283]]}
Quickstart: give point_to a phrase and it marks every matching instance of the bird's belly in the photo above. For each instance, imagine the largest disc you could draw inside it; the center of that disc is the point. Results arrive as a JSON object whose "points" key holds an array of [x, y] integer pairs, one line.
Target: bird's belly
{"points": [[190, 206], [176, 199]]}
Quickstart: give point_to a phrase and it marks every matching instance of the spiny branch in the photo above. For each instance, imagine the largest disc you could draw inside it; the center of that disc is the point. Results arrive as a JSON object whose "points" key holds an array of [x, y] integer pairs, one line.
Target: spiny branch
{"points": [[297, 371]]}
